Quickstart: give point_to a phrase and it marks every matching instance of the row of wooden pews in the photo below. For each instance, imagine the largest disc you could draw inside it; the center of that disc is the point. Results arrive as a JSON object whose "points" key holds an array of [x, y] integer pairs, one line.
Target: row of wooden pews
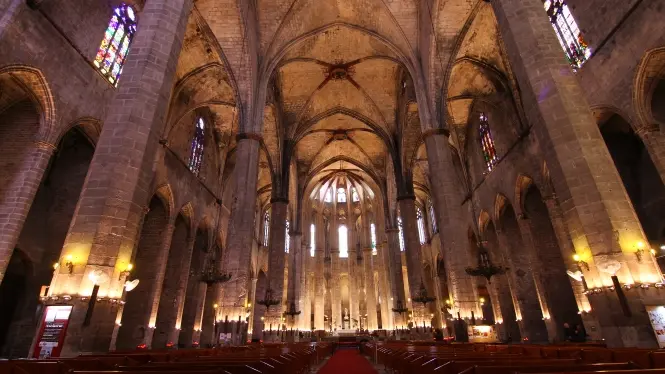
{"points": [[269, 359], [415, 358]]}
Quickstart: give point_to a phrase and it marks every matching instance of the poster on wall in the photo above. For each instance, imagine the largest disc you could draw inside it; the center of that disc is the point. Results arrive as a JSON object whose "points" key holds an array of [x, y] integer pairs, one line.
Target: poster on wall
{"points": [[52, 332], [482, 334], [657, 318]]}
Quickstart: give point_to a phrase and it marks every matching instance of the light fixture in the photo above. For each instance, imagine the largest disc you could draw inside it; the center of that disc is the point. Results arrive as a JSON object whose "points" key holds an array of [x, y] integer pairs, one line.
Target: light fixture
{"points": [[215, 306], [125, 273], [580, 263], [130, 285]]}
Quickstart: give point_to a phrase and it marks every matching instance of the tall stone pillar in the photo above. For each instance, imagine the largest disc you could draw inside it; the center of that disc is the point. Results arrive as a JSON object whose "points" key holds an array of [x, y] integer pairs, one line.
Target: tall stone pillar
{"points": [[240, 236], [319, 287], [172, 301], [370, 296], [277, 261], [447, 199], [103, 230], [251, 302], [294, 284], [603, 225], [413, 252], [397, 280], [18, 197]]}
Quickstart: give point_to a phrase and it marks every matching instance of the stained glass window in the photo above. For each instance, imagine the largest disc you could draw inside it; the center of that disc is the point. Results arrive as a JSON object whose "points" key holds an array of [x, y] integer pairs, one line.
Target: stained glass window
{"points": [[341, 195], [196, 152], [421, 225], [432, 216], [312, 239], [400, 226], [372, 233], [287, 238], [568, 33], [487, 142], [328, 197], [343, 241], [117, 39], [354, 195], [266, 228]]}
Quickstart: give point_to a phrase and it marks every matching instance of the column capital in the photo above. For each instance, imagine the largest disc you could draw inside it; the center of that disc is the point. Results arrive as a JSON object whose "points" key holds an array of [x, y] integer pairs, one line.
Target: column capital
{"points": [[279, 200], [46, 146], [250, 136], [438, 131], [406, 197]]}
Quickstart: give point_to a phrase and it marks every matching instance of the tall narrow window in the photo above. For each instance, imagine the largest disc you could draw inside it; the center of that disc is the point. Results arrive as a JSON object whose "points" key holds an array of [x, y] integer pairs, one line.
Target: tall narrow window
{"points": [[421, 225], [266, 228], [117, 38], [287, 238], [400, 226], [328, 197], [343, 239], [341, 195], [432, 216], [487, 142], [372, 233], [565, 27], [354, 195], [312, 239], [196, 152]]}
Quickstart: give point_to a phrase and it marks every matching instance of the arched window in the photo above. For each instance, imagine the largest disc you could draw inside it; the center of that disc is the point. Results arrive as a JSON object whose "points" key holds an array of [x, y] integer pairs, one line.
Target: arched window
{"points": [[372, 233], [266, 228], [487, 142], [354, 195], [343, 239], [117, 38], [432, 216], [421, 225], [312, 239], [196, 152], [328, 197], [287, 238], [400, 226], [341, 195], [565, 27]]}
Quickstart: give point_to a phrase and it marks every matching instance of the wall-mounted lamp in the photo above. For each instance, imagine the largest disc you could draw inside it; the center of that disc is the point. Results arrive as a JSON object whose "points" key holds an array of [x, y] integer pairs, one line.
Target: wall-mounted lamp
{"points": [[640, 251], [69, 262], [125, 273], [580, 263], [215, 306], [482, 301]]}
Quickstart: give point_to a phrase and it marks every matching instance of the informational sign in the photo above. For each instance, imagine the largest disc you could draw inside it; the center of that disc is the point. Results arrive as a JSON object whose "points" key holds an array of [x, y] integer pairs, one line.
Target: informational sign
{"points": [[52, 332], [482, 334], [657, 318]]}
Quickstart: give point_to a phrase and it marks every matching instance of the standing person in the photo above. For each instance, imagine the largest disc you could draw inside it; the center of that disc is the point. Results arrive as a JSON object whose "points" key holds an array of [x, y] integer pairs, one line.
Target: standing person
{"points": [[580, 333], [568, 332]]}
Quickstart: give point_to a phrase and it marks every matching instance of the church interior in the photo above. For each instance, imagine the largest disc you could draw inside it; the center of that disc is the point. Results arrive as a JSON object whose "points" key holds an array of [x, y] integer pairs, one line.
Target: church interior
{"points": [[289, 178]]}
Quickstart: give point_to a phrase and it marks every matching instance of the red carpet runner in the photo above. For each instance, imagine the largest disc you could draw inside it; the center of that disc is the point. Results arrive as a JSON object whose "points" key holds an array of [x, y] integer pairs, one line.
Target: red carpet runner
{"points": [[347, 362]]}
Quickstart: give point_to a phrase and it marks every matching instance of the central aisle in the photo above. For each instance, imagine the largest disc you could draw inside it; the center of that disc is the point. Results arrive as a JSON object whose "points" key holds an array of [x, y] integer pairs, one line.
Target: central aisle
{"points": [[347, 362]]}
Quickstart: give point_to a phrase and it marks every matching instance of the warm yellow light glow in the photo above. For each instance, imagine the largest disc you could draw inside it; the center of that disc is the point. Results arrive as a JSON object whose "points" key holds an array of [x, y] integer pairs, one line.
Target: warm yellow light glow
{"points": [[448, 301], [653, 252], [640, 245], [482, 299], [69, 258], [262, 319], [576, 257], [130, 267], [56, 266], [215, 306]]}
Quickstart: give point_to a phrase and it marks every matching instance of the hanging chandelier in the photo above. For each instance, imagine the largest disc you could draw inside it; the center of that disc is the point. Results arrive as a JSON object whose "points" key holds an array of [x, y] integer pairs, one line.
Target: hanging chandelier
{"points": [[268, 300], [292, 312], [422, 296], [399, 307], [211, 275], [485, 267]]}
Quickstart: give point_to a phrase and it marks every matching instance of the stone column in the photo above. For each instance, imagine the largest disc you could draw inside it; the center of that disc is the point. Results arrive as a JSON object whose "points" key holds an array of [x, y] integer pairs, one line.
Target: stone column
{"points": [[526, 292], [103, 230], [172, 300], [295, 273], [277, 261], [240, 236], [598, 213], [447, 199], [397, 280], [413, 253], [18, 198], [319, 286], [354, 277], [370, 297]]}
